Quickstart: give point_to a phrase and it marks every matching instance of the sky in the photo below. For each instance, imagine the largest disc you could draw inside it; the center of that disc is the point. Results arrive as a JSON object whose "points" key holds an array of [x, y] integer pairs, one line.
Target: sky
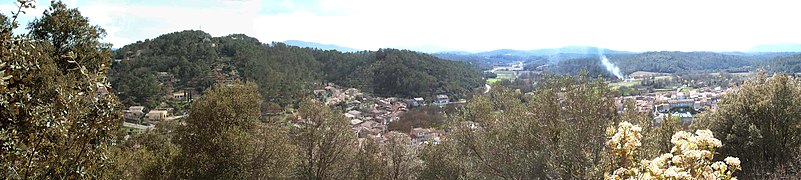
{"points": [[456, 25]]}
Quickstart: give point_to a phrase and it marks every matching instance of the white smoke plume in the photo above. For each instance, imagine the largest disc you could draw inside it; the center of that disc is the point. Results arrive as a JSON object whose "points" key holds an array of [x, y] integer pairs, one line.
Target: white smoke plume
{"points": [[612, 68]]}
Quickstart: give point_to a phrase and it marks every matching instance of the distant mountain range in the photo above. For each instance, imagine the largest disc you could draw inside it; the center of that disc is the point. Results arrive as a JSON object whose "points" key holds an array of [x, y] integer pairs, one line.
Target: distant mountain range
{"points": [[574, 50], [587, 50], [319, 46]]}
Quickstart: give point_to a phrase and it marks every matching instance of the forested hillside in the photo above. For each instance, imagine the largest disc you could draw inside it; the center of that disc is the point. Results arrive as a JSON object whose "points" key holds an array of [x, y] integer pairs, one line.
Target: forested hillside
{"points": [[670, 62], [193, 61], [791, 64]]}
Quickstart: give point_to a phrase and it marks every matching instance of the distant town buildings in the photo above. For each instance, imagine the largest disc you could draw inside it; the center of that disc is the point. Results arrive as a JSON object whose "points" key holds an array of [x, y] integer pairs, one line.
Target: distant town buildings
{"points": [[682, 104]]}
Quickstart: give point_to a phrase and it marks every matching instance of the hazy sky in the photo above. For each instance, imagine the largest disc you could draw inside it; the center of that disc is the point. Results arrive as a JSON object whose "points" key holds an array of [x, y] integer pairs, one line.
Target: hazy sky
{"points": [[636, 25]]}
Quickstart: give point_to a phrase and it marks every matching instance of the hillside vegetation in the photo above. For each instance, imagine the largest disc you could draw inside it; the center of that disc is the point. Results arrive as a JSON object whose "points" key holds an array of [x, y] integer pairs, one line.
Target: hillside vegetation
{"points": [[195, 61]]}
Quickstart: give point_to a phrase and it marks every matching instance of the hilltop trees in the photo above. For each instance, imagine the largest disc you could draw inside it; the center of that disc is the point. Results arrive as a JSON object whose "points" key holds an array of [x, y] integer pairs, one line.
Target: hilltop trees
{"points": [[759, 122], [285, 74], [57, 118], [402, 73]]}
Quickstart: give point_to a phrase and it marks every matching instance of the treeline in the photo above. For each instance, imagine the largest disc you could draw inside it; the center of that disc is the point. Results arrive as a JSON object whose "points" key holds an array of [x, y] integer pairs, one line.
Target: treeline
{"points": [[284, 73], [672, 61]]}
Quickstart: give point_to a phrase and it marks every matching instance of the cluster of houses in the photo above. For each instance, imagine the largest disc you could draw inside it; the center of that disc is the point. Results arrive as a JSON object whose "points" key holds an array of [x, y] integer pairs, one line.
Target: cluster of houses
{"points": [[370, 116], [141, 116], [137, 115], [681, 104]]}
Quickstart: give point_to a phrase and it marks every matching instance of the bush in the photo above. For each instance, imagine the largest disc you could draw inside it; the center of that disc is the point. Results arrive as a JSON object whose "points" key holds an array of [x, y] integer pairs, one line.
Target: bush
{"points": [[690, 158]]}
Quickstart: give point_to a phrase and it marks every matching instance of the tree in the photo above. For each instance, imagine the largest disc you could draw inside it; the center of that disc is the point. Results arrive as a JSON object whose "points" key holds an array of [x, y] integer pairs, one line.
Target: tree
{"points": [[369, 164], [571, 110], [74, 41], [326, 142], [57, 119], [401, 159], [495, 138], [759, 122], [440, 161], [224, 139]]}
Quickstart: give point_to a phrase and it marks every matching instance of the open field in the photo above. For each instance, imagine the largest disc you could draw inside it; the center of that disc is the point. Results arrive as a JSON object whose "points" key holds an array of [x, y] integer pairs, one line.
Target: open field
{"points": [[502, 75], [633, 82], [505, 75], [624, 83]]}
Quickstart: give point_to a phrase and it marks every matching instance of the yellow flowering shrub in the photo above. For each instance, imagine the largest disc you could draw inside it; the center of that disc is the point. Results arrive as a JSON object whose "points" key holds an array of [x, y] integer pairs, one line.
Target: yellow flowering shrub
{"points": [[690, 158]]}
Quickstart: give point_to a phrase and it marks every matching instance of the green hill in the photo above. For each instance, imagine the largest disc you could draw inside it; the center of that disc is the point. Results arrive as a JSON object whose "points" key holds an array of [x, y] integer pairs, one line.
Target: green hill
{"points": [[193, 60]]}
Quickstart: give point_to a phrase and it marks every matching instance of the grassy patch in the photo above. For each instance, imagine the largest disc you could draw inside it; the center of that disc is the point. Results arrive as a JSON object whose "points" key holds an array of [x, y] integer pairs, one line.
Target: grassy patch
{"points": [[505, 76], [623, 83]]}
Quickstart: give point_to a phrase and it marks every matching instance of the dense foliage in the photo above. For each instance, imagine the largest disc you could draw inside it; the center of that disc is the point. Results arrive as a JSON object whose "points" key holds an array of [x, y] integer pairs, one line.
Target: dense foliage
{"points": [[759, 123], [224, 138], [509, 135], [56, 120], [284, 73]]}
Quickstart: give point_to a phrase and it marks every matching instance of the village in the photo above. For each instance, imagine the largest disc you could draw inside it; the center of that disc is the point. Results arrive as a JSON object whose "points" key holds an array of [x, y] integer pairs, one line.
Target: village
{"points": [[369, 116], [679, 96]]}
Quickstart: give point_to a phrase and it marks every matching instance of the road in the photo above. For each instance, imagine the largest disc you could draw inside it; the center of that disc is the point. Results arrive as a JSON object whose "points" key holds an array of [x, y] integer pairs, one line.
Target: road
{"points": [[136, 126]]}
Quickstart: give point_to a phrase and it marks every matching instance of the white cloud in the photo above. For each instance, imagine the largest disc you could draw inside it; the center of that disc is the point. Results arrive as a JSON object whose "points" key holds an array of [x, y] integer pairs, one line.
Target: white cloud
{"points": [[466, 24], [485, 25], [126, 23]]}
